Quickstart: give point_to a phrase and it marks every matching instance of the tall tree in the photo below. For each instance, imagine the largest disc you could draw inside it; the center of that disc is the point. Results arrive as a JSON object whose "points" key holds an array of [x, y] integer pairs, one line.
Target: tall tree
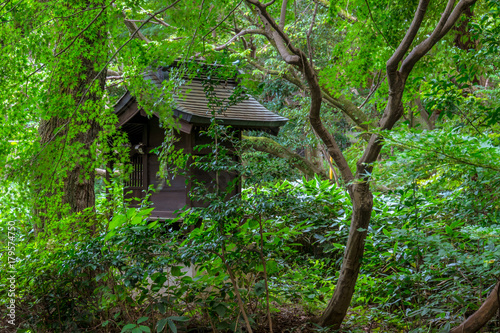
{"points": [[398, 69], [56, 53], [69, 127]]}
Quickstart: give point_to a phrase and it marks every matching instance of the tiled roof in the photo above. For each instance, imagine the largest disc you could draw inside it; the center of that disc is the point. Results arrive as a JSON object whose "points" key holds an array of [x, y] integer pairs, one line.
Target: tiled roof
{"points": [[191, 104]]}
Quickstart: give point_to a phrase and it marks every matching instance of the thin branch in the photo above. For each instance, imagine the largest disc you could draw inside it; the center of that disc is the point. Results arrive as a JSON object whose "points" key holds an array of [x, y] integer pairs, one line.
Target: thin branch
{"points": [[114, 84], [132, 27], [290, 78], [470, 122], [268, 20], [241, 33], [195, 31], [5, 4], [158, 21], [223, 20], [374, 89], [270, 146], [440, 152], [74, 14], [12, 8], [269, 3], [113, 73], [143, 21]]}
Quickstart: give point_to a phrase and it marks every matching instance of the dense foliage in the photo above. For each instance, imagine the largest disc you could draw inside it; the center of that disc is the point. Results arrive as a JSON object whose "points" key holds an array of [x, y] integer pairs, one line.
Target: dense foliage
{"points": [[79, 257]]}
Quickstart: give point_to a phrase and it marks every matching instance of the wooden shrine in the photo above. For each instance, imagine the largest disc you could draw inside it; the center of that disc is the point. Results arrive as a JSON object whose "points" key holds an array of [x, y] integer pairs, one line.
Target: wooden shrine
{"points": [[194, 116]]}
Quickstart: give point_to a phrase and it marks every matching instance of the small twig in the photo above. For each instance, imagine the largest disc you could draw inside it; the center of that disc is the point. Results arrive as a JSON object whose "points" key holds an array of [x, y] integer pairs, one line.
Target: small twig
{"points": [[195, 31], [5, 4], [158, 21], [269, 3], [470, 122], [403, 145], [235, 286], [223, 20], [373, 89]]}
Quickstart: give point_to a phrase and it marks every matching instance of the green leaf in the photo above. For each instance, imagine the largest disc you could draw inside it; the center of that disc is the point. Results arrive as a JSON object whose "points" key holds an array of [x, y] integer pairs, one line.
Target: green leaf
{"points": [[136, 220], [162, 308], [145, 328], [161, 324], [456, 223], [221, 310], [260, 288], [445, 328], [131, 212], [172, 326], [128, 327], [252, 224], [176, 271], [271, 267], [449, 231], [109, 235], [142, 319], [117, 221]]}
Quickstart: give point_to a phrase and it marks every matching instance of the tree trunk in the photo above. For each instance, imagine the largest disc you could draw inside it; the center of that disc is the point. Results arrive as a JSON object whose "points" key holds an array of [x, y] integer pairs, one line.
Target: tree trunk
{"points": [[398, 69], [362, 201], [64, 174]]}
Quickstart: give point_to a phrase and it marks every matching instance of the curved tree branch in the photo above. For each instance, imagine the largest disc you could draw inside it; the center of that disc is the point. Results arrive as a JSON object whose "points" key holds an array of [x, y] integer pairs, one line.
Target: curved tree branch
{"points": [[448, 19], [392, 64], [239, 34], [300, 60], [270, 146], [397, 79], [270, 24]]}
